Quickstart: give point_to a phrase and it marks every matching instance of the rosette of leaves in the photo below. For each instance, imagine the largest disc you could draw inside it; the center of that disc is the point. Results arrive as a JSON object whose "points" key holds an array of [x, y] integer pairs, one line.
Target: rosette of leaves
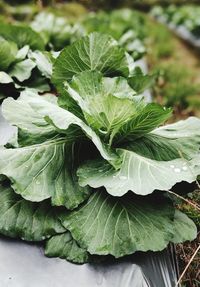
{"points": [[23, 61], [56, 31], [89, 171]]}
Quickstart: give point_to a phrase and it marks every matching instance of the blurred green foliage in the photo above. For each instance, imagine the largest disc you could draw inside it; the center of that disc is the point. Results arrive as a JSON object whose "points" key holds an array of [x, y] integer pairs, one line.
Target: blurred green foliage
{"points": [[175, 86]]}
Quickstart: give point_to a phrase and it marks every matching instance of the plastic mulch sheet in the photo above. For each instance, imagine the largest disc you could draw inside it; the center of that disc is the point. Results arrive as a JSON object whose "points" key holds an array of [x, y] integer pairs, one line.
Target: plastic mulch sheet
{"points": [[181, 32], [24, 265]]}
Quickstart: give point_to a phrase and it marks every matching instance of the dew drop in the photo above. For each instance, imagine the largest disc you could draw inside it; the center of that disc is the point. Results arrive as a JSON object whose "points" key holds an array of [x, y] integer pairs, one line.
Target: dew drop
{"points": [[177, 170], [172, 166], [37, 182], [123, 177], [184, 168], [100, 170]]}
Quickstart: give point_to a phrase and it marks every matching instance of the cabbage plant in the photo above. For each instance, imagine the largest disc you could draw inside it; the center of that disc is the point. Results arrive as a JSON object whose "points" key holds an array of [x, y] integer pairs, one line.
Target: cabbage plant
{"points": [[24, 63], [88, 172]]}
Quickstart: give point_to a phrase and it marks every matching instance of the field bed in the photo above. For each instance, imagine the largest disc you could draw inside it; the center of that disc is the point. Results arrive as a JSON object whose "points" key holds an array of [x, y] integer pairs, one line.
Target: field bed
{"points": [[181, 32]]}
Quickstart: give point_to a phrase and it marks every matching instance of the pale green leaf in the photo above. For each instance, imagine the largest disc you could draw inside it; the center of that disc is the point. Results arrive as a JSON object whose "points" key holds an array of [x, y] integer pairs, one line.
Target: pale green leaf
{"points": [[5, 78], [22, 53], [43, 62], [22, 70], [106, 102], [34, 127], [63, 119], [55, 30], [138, 173]]}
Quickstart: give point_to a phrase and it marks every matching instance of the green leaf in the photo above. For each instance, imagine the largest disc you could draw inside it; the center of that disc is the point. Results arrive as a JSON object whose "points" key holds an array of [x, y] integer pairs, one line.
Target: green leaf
{"points": [[32, 128], [185, 229], [43, 62], [138, 173], [5, 78], [149, 118], [65, 247], [63, 119], [94, 52], [106, 102], [22, 70], [140, 82], [8, 51], [180, 140], [110, 106], [22, 53], [27, 220], [121, 226], [44, 171], [182, 129], [21, 35]]}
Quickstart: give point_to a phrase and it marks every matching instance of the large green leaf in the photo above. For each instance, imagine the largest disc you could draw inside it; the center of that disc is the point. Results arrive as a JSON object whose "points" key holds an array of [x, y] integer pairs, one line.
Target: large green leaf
{"points": [[63, 119], [106, 102], [121, 226], [138, 173], [32, 128], [94, 52], [65, 247], [44, 171], [27, 220], [21, 35], [158, 160], [179, 140], [8, 51], [184, 227], [185, 129], [165, 149]]}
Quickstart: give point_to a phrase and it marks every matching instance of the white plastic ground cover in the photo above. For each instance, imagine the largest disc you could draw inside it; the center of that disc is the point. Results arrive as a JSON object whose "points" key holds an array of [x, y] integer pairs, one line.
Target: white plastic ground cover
{"points": [[24, 265], [181, 32]]}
